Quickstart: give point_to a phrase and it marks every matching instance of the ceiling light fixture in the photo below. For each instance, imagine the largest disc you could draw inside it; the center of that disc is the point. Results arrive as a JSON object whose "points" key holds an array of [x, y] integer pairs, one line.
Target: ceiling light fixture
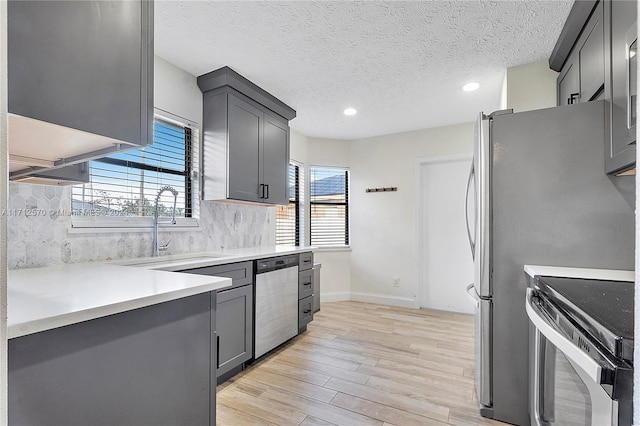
{"points": [[350, 111], [470, 87]]}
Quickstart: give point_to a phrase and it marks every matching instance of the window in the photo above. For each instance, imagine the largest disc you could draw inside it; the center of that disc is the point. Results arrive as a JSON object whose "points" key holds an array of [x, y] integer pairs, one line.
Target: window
{"points": [[125, 185], [329, 202], [289, 218]]}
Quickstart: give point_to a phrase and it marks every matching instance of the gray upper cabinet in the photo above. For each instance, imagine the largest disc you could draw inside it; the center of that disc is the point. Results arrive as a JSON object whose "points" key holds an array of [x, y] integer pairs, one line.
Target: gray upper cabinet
{"points": [[276, 159], [82, 72], [246, 140], [569, 84], [591, 56], [245, 130], [595, 55], [581, 78], [620, 36]]}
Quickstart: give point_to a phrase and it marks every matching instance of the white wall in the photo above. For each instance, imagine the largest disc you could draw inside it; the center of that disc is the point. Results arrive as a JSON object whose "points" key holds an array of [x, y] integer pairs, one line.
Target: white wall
{"points": [[531, 86], [328, 152], [176, 91], [383, 225], [299, 147], [3, 205]]}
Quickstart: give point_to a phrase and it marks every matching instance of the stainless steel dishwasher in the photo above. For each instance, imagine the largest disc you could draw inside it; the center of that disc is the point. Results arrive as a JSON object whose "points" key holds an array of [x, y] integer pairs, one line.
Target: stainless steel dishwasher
{"points": [[276, 302]]}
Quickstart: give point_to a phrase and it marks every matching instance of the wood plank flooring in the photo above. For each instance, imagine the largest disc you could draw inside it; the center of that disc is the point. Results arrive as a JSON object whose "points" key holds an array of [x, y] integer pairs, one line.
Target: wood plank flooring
{"points": [[362, 364]]}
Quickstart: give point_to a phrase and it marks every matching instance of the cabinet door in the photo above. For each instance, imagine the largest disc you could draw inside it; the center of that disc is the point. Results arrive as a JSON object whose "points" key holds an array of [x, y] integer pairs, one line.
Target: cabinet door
{"points": [[234, 322], [620, 17], [569, 83], [591, 56], [276, 160], [83, 65], [244, 156]]}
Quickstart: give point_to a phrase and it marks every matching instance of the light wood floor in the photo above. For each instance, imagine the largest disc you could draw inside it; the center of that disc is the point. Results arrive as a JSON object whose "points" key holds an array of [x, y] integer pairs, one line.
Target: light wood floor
{"points": [[362, 364]]}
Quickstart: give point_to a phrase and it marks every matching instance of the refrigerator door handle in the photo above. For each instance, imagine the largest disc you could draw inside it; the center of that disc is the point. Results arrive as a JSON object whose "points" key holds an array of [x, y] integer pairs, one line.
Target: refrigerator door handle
{"points": [[472, 295], [466, 212]]}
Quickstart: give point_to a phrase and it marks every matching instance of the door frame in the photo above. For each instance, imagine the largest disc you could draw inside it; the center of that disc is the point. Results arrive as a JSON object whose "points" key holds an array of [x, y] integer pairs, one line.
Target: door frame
{"points": [[419, 212]]}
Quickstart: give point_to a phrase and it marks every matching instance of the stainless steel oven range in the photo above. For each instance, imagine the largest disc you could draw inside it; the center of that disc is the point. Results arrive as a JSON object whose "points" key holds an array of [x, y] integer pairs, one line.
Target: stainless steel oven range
{"points": [[581, 351]]}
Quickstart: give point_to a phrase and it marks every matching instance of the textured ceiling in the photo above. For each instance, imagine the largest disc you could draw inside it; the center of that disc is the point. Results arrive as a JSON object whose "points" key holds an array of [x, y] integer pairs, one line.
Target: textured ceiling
{"points": [[401, 64]]}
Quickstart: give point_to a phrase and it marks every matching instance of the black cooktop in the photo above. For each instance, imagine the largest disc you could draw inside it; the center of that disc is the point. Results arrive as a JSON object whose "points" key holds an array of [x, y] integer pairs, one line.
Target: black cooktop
{"points": [[602, 308]]}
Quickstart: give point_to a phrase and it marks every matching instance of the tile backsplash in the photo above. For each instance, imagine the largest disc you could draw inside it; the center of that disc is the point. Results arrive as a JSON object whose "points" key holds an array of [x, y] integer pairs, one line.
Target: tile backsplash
{"points": [[39, 236]]}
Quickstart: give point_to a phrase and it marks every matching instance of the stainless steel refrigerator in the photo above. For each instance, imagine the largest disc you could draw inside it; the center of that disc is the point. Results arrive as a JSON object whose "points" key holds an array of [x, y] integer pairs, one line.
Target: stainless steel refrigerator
{"points": [[538, 194]]}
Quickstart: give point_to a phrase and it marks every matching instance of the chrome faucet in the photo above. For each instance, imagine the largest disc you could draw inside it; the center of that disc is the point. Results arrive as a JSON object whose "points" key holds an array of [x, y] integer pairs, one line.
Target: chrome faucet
{"points": [[156, 245]]}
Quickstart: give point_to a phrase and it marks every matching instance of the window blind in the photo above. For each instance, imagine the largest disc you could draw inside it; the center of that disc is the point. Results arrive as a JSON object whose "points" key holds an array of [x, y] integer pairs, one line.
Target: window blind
{"points": [[329, 204], [289, 217], [126, 183]]}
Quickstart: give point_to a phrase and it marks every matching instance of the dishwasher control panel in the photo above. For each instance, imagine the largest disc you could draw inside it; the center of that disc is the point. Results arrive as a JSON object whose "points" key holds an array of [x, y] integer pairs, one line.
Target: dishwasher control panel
{"points": [[274, 263]]}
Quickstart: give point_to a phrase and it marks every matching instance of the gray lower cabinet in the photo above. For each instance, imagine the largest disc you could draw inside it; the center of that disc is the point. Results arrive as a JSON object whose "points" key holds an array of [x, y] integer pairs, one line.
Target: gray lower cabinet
{"points": [[306, 261], [305, 312], [148, 366], [620, 91], [234, 316], [234, 313], [305, 283], [85, 65], [305, 290]]}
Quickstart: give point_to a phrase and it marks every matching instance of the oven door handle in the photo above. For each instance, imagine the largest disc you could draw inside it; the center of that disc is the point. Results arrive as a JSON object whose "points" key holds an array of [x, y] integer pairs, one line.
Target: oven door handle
{"points": [[571, 351]]}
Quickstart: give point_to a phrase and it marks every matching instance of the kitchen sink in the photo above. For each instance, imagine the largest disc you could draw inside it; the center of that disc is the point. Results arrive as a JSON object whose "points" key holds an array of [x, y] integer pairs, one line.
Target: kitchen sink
{"points": [[170, 260]]}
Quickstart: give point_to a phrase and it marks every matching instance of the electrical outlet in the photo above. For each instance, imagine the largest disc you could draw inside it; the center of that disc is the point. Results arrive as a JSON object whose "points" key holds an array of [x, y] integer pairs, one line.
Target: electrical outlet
{"points": [[396, 282]]}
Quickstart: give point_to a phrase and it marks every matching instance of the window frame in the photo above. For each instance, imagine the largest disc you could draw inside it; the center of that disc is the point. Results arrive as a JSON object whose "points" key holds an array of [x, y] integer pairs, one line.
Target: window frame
{"points": [[298, 203], [81, 223], [346, 203]]}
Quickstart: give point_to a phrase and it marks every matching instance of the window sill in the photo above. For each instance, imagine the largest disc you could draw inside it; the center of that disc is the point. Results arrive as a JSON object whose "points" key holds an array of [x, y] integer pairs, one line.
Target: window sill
{"points": [[332, 249]]}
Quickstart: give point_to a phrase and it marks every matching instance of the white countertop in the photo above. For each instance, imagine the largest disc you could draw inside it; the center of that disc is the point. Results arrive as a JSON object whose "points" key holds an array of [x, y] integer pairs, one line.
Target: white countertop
{"points": [[200, 260], [45, 298], [591, 274]]}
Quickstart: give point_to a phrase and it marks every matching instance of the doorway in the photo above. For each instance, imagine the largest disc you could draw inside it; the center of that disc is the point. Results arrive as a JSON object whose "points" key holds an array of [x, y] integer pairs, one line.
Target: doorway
{"points": [[444, 266]]}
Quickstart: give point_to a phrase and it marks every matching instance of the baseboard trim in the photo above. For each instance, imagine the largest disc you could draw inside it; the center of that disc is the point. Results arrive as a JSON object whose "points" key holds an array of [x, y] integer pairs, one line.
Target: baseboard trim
{"points": [[335, 297], [380, 299], [383, 299]]}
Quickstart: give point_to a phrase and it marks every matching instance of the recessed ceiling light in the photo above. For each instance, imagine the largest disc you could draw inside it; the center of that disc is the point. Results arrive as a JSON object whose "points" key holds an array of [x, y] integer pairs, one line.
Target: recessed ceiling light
{"points": [[350, 111], [470, 87]]}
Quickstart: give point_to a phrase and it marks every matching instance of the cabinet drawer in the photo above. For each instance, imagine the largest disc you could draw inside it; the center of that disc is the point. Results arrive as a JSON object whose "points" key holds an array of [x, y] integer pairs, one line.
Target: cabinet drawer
{"points": [[306, 261], [305, 283], [240, 273], [305, 311]]}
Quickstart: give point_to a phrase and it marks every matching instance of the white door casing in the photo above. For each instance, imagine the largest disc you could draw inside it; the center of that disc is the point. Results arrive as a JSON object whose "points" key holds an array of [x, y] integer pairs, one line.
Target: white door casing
{"points": [[444, 266]]}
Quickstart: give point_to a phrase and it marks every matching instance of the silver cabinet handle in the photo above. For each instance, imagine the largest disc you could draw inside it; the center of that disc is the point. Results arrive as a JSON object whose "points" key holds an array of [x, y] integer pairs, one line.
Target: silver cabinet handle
{"points": [[572, 352]]}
